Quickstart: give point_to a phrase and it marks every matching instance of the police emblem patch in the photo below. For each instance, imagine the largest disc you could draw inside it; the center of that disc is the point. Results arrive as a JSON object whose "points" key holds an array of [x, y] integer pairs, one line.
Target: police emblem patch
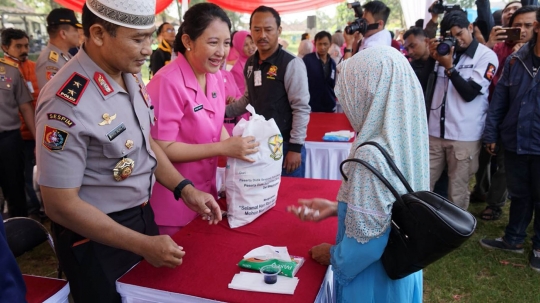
{"points": [[73, 88], [102, 83], [276, 146], [49, 75], [54, 139], [490, 72]]}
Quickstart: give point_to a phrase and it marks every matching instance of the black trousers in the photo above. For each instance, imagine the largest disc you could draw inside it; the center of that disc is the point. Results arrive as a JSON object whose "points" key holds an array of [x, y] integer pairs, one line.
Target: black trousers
{"points": [[12, 172], [93, 268]]}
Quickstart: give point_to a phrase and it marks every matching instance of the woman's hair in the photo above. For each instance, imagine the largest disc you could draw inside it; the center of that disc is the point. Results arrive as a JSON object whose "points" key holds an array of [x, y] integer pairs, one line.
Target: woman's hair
{"points": [[337, 39], [160, 28], [196, 20]]}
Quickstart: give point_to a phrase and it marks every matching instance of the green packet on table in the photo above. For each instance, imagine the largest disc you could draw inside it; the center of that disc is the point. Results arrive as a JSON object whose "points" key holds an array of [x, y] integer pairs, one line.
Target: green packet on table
{"points": [[288, 269], [272, 255]]}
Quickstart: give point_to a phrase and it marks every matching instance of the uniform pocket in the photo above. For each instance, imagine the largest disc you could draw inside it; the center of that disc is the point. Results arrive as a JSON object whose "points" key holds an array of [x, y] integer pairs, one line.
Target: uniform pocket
{"points": [[112, 153]]}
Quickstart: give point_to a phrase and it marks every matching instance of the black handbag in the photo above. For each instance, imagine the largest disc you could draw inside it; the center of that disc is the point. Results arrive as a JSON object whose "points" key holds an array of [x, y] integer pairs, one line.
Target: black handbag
{"points": [[425, 226]]}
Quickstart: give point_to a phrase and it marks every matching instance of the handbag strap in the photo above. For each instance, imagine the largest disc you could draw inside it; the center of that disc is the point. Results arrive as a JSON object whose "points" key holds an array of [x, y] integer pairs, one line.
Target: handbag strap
{"points": [[391, 163], [375, 172]]}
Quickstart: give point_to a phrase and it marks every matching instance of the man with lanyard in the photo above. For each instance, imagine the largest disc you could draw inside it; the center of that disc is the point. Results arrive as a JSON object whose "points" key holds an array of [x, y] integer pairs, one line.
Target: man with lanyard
{"points": [[459, 104], [15, 44], [277, 87], [376, 14], [62, 27], [15, 98], [321, 71], [96, 160]]}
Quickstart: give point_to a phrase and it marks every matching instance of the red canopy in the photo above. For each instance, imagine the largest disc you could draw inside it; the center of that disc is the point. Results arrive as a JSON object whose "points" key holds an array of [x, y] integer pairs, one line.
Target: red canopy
{"points": [[246, 6]]}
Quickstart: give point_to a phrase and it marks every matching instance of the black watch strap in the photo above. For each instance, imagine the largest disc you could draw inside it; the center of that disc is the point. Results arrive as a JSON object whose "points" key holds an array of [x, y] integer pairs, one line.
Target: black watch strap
{"points": [[347, 50], [178, 189]]}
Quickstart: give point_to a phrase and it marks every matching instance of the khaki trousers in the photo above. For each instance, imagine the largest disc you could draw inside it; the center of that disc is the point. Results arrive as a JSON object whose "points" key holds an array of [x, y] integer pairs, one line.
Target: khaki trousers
{"points": [[461, 157]]}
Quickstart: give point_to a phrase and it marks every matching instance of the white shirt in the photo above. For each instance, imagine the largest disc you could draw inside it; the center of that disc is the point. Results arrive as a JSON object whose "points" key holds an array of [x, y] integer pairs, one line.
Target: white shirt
{"points": [[463, 121], [380, 38]]}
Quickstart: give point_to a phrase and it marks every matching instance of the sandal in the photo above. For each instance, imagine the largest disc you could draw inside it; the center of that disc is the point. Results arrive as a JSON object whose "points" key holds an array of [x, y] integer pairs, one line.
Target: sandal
{"points": [[491, 214]]}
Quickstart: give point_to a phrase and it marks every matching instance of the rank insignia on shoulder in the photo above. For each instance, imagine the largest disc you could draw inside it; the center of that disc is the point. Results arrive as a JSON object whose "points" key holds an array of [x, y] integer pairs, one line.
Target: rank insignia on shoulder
{"points": [[73, 89], [8, 63], [103, 83], [54, 139], [53, 56]]}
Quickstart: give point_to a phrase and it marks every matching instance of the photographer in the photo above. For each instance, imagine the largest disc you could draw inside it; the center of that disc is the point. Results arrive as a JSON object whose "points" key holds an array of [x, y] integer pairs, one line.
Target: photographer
{"points": [[459, 104], [375, 15]]}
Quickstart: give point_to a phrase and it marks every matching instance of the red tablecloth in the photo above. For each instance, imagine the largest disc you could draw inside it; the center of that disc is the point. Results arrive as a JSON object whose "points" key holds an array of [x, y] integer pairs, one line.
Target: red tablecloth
{"points": [[212, 252], [321, 123], [39, 289]]}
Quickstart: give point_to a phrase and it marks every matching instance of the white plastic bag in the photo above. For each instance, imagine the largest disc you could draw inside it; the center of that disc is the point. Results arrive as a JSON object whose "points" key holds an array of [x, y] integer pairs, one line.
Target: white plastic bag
{"points": [[251, 188]]}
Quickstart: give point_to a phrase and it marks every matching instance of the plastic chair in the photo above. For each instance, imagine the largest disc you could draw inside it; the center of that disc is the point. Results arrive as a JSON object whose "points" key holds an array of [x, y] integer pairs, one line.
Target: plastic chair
{"points": [[24, 234]]}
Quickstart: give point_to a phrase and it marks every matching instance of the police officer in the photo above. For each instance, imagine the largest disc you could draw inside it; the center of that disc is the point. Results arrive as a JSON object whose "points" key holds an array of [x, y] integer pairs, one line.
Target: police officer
{"points": [[62, 27], [14, 98], [96, 160]]}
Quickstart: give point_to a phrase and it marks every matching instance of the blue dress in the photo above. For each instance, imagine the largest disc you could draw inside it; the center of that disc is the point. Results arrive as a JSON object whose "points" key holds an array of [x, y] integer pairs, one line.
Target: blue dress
{"points": [[359, 275]]}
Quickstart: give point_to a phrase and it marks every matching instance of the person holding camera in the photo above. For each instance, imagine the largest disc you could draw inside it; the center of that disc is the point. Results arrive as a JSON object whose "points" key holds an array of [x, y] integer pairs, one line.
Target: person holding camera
{"points": [[459, 104], [370, 28]]}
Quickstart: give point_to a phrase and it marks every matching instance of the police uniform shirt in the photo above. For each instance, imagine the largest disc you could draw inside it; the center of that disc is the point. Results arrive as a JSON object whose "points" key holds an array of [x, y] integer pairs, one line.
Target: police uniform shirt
{"points": [[49, 62], [13, 93], [452, 117], [86, 123]]}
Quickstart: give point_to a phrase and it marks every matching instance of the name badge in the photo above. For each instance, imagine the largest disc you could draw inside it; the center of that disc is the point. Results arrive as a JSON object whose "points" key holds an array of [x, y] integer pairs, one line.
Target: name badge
{"points": [[30, 87], [197, 108], [116, 131], [258, 78], [333, 74]]}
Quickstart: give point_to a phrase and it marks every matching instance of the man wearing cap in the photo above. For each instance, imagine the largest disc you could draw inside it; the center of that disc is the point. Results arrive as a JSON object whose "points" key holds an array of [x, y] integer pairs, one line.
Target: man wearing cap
{"points": [[96, 160], [14, 98], [62, 28]]}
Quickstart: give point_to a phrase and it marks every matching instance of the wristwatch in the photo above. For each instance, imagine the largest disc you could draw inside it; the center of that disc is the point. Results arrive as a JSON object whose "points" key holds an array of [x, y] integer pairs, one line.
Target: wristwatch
{"points": [[178, 189], [347, 50], [449, 71]]}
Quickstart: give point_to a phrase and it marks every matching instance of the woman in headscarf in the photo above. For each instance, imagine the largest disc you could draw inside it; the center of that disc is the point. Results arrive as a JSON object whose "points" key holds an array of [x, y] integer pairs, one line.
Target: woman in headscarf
{"points": [[244, 45], [384, 102]]}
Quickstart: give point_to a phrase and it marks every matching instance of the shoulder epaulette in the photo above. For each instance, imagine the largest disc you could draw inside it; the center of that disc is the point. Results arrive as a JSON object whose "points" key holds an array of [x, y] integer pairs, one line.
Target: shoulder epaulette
{"points": [[53, 56], [73, 88], [10, 63]]}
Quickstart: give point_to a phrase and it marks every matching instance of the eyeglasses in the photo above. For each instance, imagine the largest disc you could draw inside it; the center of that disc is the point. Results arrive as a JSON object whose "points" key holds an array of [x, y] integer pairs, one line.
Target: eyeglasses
{"points": [[170, 30]]}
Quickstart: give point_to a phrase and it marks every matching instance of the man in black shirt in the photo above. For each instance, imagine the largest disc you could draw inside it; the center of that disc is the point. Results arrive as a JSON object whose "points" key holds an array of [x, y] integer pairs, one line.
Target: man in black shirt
{"points": [[416, 44]]}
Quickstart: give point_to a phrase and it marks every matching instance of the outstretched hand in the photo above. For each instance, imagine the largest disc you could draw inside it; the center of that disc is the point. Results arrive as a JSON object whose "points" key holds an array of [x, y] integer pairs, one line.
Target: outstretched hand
{"points": [[313, 209]]}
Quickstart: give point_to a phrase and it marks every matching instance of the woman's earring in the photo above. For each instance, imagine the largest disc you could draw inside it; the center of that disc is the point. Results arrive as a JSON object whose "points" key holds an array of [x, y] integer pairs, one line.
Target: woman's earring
{"points": [[188, 49]]}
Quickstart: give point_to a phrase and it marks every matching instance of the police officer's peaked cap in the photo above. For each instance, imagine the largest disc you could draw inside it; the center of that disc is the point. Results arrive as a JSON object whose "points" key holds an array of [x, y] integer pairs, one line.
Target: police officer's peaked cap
{"points": [[62, 16], [138, 14]]}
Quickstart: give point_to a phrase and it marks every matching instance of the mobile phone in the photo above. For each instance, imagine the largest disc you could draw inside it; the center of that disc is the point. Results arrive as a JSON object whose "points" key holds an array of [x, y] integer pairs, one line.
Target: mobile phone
{"points": [[512, 34]]}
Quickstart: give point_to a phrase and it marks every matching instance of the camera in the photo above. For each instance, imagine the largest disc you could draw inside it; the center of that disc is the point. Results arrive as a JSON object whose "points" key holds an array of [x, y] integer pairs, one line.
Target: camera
{"points": [[445, 44], [441, 8], [359, 24]]}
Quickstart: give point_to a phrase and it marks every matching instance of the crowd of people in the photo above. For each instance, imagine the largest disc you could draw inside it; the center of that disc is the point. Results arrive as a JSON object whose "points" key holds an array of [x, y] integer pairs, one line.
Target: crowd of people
{"points": [[445, 108]]}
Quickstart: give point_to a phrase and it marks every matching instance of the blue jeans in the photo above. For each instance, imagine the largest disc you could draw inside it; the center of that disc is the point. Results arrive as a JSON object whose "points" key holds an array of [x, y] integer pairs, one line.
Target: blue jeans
{"points": [[523, 181], [300, 172]]}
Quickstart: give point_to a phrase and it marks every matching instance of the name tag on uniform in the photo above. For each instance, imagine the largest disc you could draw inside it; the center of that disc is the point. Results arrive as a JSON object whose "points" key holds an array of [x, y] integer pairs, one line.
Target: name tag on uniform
{"points": [[465, 66], [116, 131], [197, 108], [30, 87], [258, 78]]}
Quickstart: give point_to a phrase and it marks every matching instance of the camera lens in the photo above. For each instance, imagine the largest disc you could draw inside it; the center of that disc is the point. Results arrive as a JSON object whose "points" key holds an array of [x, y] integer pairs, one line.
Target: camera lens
{"points": [[443, 49]]}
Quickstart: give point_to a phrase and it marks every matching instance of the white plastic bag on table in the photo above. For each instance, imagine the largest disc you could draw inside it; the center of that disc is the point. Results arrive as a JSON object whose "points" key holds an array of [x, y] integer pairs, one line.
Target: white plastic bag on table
{"points": [[251, 188]]}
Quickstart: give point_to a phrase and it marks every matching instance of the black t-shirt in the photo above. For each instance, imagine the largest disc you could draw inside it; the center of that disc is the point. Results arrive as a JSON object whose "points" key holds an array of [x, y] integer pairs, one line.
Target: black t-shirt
{"points": [[422, 69]]}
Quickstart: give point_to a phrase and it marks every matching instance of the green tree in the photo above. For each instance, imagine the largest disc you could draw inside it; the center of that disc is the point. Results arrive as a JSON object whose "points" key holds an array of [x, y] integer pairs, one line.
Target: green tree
{"points": [[7, 3]]}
